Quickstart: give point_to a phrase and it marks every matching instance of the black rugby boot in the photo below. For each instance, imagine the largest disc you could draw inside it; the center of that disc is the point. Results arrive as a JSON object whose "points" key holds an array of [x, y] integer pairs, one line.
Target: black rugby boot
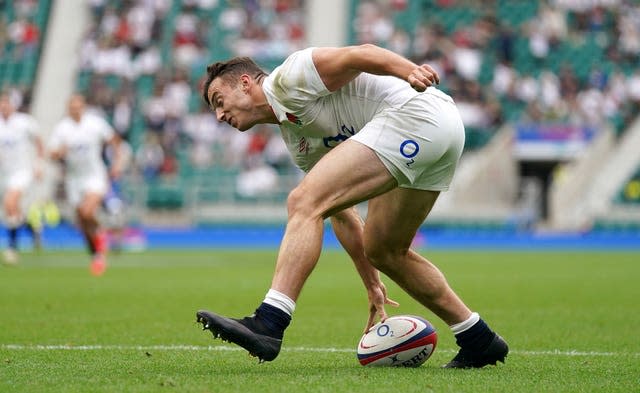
{"points": [[496, 351], [250, 333]]}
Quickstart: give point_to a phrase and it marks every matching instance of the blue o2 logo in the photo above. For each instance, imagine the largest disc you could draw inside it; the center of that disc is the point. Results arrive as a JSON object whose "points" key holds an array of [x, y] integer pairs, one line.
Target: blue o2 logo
{"points": [[383, 330], [409, 148]]}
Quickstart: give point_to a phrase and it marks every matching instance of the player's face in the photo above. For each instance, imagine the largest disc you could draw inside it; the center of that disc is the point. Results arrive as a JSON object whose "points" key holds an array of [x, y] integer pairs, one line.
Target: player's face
{"points": [[76, 107], [232, 103]]}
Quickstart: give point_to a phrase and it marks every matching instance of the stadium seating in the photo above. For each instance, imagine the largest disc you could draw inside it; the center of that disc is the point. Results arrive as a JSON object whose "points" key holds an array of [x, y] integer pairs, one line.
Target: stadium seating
{"points": [[585, 46], [22, 26], [227, 28], [219, 26]]}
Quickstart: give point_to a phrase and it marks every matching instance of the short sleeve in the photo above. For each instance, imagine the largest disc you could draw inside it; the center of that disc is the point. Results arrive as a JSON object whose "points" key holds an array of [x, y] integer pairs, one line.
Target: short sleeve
{"points": [[104, 128], [297, 82]]}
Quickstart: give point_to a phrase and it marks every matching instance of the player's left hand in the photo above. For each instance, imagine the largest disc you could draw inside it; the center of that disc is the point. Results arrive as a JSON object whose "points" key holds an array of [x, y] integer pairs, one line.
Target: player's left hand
{"points": [[377, 299], [422, 77]]}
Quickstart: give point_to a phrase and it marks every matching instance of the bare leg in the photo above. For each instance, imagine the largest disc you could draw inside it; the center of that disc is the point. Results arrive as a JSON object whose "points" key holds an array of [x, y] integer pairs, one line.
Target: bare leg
{"points": [[331, 185], [11, 203], [13, 221], [347, 175], [87, 217], [350, 173], [392, 222]]}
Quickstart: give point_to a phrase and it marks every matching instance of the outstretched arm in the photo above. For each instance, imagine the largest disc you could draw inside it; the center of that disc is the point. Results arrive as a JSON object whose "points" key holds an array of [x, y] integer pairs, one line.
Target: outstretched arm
{"points": [[119, 159], [348, 228], [339, 66]]}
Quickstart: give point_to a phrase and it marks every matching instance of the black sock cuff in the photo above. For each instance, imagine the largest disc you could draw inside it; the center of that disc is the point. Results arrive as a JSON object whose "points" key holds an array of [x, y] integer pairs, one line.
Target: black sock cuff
{"points": [[477, 337], [13, 238], [273, 318]]}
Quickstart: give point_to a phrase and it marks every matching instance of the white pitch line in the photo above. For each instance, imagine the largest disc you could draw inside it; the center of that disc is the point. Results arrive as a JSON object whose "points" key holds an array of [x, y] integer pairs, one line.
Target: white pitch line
{"points": [[42, 347]]}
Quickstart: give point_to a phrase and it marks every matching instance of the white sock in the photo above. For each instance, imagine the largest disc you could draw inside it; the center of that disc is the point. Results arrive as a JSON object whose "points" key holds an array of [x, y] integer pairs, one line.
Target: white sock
{"points": [[466, 324], [280, 300]]}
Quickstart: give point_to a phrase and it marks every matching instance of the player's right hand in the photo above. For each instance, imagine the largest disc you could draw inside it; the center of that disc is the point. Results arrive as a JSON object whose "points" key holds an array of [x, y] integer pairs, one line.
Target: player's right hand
{"points": [[377, 299], [422, 77]]}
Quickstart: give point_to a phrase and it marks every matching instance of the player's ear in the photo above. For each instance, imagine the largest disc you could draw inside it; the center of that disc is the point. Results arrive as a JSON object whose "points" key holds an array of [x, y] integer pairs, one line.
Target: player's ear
{"points": [[245, 82]]}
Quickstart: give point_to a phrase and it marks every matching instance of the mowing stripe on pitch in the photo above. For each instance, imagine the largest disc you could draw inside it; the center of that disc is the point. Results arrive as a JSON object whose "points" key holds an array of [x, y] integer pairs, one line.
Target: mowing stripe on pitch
{"points": [[42, 347]]}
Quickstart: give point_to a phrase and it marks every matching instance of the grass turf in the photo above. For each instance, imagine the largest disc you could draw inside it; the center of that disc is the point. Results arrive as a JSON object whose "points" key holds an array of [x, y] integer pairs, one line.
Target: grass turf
{"points": [[571, 320]]}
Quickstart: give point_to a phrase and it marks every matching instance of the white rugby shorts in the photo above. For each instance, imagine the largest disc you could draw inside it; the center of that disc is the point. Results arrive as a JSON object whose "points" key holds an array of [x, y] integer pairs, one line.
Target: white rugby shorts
{"points": [[18, 180], [77, 188], [419, 143]]}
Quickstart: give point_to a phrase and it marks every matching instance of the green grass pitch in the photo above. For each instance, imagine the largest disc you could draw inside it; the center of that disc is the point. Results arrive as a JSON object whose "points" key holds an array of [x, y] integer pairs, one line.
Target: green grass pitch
{"points": [[571, 318]]}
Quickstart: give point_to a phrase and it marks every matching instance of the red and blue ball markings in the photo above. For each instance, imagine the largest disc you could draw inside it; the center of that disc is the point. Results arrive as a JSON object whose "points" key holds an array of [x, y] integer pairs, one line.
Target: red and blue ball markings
{"points": [[427, 336]]}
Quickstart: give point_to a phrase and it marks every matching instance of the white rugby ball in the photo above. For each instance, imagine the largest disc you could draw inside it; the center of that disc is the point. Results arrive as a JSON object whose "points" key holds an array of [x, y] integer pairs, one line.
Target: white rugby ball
{"points": [[403, 340]]}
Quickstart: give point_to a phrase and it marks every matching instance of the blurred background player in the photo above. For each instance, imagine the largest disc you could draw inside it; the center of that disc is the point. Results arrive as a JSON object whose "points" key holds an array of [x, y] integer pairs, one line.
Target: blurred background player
{"points": [[78, 140], [19, 139]]}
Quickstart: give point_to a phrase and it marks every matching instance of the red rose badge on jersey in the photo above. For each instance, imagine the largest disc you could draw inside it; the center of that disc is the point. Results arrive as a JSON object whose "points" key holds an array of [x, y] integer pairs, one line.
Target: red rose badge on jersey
{"points": [[294, 119]]}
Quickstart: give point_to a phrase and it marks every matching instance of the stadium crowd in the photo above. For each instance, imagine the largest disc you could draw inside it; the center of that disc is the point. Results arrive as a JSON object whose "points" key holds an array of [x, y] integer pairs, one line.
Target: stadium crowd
{"points": [[20, 44], [143, 61], [144, 58], [478, 58]]}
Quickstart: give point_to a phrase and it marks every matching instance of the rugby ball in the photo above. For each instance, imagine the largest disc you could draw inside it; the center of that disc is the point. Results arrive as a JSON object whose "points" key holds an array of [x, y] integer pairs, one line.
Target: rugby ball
{"points": [[403, 340]]}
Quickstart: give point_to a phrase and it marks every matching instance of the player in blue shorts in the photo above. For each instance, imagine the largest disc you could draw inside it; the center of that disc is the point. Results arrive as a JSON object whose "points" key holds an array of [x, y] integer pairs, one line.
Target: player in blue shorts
{"points": [[365, 124]]}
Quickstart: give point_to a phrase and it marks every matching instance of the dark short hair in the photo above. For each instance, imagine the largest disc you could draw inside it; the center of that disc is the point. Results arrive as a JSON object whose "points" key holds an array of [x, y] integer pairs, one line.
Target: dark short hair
{"points": [[234, 68]]}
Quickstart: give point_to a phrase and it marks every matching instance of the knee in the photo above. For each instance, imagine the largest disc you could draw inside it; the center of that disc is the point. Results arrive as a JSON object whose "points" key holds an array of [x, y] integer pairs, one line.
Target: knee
{"points": [[300, 203], [384, 256], [11, 203], [85, 213]]}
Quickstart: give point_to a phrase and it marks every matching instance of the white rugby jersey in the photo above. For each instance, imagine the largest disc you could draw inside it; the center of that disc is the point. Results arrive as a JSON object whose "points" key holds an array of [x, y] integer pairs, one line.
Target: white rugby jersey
{"points": [[312, 119], [16, 142], [83, 141]]}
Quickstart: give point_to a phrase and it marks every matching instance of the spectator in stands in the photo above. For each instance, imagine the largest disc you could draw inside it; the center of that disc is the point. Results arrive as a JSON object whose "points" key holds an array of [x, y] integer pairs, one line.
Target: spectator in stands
{"points": [[373, 23], [122, 112], [169, 168], [176, 94], [203, 131], [78, 140], [186, 31], [465, 56], [155, 109], [549, 95], [276, 154], [149, 156], [112, 57], [143, 20], [629, 34], [147, 62], [19, 141], [264, 31], [256, 179], [26, 36]]}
